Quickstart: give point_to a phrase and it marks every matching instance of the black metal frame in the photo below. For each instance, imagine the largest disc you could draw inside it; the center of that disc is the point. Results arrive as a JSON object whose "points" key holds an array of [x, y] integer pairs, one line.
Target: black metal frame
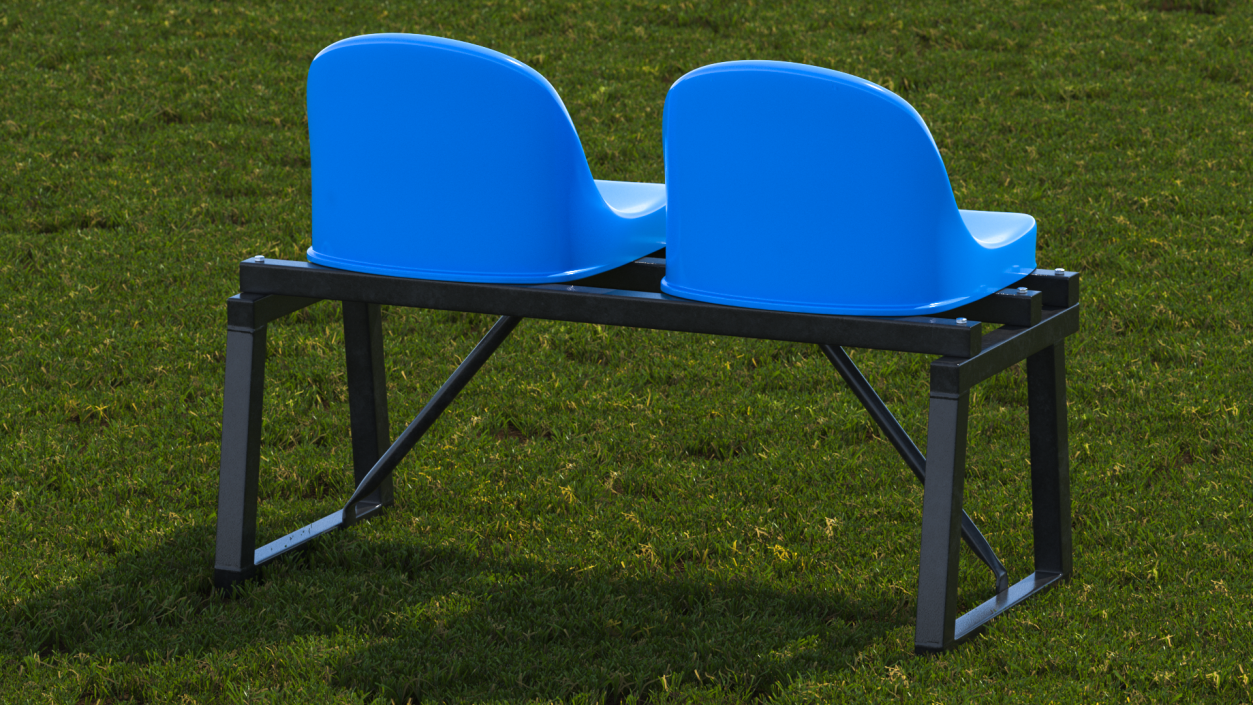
{"points": [[1036, 315]]}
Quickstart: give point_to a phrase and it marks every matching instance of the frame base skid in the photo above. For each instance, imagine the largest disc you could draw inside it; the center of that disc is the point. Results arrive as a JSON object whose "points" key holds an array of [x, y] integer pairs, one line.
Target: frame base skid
{"points": [[294, 540], [299, 537], [971, 624]]}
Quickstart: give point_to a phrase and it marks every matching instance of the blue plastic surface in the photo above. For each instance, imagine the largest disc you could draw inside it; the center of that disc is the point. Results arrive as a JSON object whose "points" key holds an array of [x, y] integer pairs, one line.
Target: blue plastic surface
{"points": [[798, 188], [437, 159]]}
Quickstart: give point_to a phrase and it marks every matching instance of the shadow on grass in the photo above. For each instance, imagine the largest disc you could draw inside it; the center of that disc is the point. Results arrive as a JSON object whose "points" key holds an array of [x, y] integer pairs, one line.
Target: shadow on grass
{"points": [[404, 619]]}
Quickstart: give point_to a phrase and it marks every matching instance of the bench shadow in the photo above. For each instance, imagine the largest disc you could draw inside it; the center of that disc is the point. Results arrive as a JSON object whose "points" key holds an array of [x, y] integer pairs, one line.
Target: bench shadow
{"points": [[415, 621]]}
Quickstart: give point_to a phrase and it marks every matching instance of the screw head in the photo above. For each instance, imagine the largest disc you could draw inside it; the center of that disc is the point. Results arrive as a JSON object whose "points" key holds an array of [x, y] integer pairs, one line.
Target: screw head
{"points": [[1022, 290], [961, 321], [1060, 271], [259, 258]]}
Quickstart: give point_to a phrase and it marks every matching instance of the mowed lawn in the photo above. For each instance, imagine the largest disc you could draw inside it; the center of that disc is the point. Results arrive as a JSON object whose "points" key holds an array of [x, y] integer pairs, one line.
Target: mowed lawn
{"points": [[606, 514]]}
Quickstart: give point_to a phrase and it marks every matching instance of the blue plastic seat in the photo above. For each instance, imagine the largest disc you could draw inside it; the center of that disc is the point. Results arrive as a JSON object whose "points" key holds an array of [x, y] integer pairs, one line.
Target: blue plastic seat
{"points": [[438, 159], [798, 188]]}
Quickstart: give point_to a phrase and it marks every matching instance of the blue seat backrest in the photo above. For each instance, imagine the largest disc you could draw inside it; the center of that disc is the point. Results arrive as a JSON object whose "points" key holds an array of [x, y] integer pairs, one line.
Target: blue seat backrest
{"points": [[451, 148], [805, 173]]}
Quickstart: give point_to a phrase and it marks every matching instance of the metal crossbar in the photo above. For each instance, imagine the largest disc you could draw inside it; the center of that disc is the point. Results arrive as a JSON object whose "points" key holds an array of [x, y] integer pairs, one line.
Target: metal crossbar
{"points": [[1035, 316]]}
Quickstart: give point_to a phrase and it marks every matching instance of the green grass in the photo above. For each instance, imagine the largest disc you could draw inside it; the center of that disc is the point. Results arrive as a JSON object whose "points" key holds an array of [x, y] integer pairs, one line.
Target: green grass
{"points": [[613, 514]]}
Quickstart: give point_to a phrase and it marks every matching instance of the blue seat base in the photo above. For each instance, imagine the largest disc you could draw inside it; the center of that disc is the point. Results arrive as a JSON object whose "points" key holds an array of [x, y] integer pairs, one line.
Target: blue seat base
{"points": [[1006, 245], [452, 276], [640, 219]]}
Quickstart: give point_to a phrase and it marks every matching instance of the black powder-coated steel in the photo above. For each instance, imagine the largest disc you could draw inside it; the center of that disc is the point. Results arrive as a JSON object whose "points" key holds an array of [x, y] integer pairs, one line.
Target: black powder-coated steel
{"points": [[367, 393], [1009, 306], [913, 457], [1060, 289], [1050, 460], [941, 521], [241, 455], [382, 470], [1002, 348], [614, 307], [1035, 324], [252, 311]]}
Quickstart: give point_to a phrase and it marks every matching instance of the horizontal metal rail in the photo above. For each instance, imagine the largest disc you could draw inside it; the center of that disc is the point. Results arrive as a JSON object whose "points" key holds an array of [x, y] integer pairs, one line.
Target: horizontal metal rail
{"points": [[615, 307], [1003, 347]]}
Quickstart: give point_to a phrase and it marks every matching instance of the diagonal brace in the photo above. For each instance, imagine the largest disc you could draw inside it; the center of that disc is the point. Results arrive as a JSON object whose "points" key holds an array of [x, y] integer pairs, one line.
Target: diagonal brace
{"points": [[361, 505], [425, 418], [909, 452]]}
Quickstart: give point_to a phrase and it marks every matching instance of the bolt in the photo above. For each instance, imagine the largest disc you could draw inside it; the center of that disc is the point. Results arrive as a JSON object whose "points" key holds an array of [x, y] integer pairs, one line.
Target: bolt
{"points": [[1022, 290], [1060, 271], [259, 258], [961, 321]]}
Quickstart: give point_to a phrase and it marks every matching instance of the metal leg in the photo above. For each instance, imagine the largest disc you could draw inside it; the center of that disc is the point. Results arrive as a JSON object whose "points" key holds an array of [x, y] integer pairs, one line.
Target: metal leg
{"points": [[241, 454], [367, 393], [937, 629], [1050, 461], [941, 522], [913, 457]]}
